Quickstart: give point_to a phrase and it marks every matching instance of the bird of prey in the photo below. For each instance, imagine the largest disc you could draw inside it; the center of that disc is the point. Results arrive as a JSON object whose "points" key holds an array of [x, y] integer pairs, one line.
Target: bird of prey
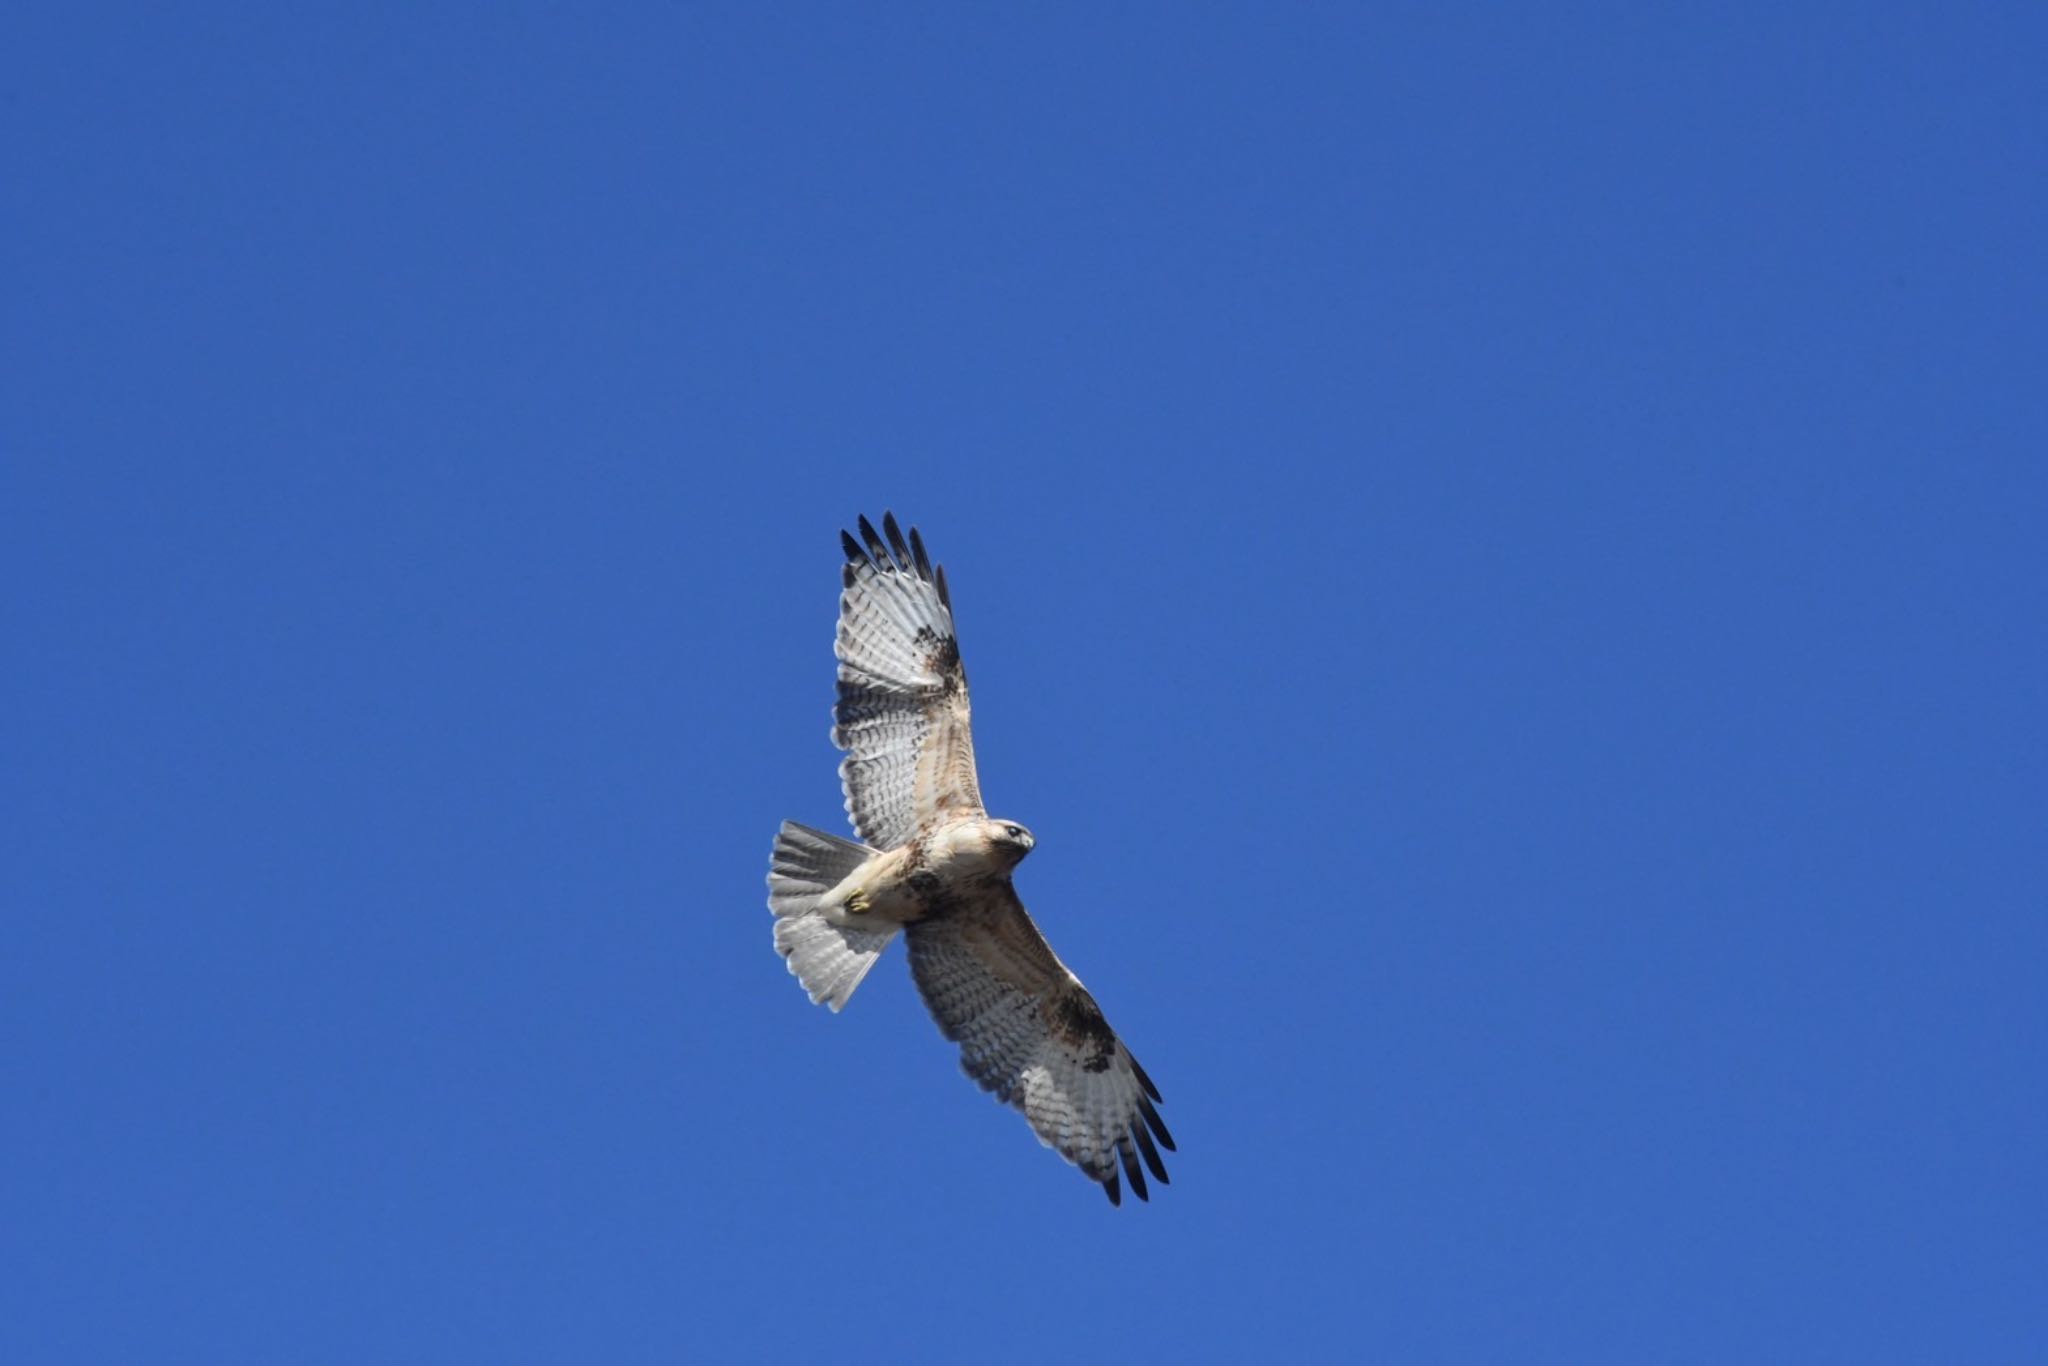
{"points": [[933, 866]]}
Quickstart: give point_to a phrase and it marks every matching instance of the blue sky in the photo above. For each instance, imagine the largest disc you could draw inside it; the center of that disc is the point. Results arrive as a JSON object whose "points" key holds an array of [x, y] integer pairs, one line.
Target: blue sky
{"points": [[1500, 556]]}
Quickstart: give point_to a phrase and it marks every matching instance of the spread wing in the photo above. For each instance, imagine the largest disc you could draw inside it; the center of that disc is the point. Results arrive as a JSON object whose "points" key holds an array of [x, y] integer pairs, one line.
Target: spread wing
{"points": [[1030, 1032], [902, 710]]}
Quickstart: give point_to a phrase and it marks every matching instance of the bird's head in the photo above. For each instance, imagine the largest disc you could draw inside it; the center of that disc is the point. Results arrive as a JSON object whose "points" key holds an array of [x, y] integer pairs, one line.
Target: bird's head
{"points": [[1008, 841]]}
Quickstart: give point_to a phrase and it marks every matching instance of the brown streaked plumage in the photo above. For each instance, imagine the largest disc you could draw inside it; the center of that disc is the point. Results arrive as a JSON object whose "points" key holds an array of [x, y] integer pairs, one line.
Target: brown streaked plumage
{"points": [[937, 868]]}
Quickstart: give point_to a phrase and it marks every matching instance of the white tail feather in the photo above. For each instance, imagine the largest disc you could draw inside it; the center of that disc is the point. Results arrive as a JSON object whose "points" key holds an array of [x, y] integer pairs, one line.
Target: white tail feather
{"points": [[828, 956]]}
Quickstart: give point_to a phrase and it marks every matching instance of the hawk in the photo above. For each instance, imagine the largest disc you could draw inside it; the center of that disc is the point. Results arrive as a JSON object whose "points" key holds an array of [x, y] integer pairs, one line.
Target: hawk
{"points": [[933, 866]]}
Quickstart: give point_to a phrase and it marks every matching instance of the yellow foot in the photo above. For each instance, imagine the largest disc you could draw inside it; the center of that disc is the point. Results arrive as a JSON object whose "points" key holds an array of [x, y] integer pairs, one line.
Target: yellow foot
{"points": [[857, 901]]}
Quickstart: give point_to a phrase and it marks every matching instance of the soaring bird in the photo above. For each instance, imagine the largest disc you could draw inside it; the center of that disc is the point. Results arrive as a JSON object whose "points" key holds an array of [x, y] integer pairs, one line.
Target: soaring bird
{"points": [[933, 866]]}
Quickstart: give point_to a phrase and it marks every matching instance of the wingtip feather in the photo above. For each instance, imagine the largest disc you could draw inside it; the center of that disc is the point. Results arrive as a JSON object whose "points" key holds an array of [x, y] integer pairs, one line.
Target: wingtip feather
{"points": [[1150, 1152], [1156, 1124], [1143, 1080], [877, 552], [897, 548], [1129, 1156]]}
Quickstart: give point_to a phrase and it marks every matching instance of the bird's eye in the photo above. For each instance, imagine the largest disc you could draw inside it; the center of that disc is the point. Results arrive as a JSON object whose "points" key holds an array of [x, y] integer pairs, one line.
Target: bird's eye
{"points": [[1015, 831]]}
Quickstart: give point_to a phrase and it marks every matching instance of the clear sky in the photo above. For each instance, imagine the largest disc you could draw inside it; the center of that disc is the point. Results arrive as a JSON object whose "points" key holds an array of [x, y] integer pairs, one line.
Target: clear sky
{"points": [[1502, 558]]}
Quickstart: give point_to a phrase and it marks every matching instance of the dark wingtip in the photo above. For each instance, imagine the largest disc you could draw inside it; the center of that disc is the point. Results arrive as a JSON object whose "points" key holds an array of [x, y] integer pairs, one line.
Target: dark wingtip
{"points": [[876, 550], [945, 594], [918, 557], [1112, 1189], [1144, 1080], [1129, 1156], [854, 554], [1151, 1153], [896, 544], [1157, 1125]]}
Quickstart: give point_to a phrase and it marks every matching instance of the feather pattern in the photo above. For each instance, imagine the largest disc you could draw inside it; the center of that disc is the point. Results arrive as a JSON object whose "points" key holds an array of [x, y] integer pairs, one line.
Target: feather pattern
{"points": [[1030, 1033], [829, 956], [934, 868], [902, 712]]}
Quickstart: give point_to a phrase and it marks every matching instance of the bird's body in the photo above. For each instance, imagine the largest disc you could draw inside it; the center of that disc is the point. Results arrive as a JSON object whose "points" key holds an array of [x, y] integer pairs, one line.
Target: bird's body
{"points": [[937, 869], [928, 876]]}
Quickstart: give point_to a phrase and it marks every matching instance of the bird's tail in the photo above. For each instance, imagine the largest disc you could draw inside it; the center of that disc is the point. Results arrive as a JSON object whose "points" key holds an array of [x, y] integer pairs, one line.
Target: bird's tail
{"points": [[828, 955]]}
